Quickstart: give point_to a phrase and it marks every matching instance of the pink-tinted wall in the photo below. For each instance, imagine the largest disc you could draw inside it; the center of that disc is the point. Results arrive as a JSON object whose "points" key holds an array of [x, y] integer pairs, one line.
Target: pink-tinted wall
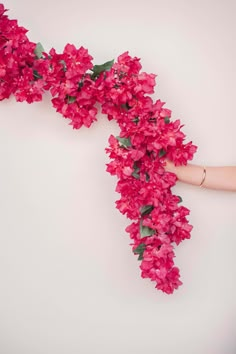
{"points": [[69, 283]]}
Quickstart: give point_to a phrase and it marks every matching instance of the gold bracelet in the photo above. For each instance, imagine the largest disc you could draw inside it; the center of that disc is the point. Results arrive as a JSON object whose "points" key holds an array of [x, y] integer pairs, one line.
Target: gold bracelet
{"points": [[203, 176]]}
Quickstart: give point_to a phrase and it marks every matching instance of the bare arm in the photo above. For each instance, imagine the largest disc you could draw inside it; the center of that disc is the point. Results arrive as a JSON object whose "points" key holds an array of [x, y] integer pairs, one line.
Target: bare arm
{"points": [[220, 178]]}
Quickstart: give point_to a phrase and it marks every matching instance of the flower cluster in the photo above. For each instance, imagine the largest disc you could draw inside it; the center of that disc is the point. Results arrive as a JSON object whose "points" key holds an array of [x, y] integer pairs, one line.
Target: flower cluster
{"points": [[26, 71], [147, 136], [18, 75], [72, 88]]}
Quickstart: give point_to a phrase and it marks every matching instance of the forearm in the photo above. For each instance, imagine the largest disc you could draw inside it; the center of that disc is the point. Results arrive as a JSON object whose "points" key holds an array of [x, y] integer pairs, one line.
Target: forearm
{"points": [[220, 178]]}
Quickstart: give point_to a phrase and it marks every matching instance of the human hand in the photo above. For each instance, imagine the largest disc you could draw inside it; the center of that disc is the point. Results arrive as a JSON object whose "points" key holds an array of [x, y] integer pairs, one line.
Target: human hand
{"points": [[169, 166]]}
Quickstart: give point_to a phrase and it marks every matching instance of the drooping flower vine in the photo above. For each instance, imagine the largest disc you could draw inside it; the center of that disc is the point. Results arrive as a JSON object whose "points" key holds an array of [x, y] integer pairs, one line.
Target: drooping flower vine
{"points": [[148, 135]]}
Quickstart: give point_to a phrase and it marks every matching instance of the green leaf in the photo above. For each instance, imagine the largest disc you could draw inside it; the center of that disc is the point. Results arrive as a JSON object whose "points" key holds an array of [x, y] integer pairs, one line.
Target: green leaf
{"points": [[37, 75], [70, 99], [98, 69], [125, 106], [135, 174], [180, 199], [147, 177], [135, 120], [63, 64], [146, 209], [80, 84], [125, 142], [145, 230], [38, 50], [162, 152], [139, 250], [167, 120]]}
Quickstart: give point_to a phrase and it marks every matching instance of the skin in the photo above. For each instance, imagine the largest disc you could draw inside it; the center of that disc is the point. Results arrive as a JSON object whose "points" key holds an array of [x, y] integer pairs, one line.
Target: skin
{"points": [[218, 178]]}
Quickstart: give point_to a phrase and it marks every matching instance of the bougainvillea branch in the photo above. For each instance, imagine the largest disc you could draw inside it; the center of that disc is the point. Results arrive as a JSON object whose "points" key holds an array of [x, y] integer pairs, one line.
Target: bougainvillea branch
{"points": [[148, 135]]}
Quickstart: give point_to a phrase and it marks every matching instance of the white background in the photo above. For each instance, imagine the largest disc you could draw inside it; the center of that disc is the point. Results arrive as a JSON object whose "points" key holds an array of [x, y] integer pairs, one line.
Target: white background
{"points": [[69, 281]]}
